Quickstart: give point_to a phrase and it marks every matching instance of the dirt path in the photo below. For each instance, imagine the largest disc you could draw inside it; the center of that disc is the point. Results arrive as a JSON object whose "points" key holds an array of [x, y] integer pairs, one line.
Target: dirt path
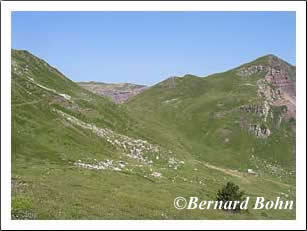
{"points": [[21, 104], [239, 174], [226, 171]]}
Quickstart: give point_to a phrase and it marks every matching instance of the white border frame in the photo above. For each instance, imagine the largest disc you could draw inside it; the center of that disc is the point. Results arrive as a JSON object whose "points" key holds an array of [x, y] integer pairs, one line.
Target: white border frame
{"points": [[299, 7]]}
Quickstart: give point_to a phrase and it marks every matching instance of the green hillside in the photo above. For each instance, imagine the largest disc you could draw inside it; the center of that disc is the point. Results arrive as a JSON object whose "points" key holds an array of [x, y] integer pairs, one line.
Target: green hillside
{"points": [[206, 114], [77, 155]]}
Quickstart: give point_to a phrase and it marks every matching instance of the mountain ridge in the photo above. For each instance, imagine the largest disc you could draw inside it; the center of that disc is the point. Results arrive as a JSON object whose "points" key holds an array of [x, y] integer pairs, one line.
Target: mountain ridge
{"points": [[130, 160], [118, 92]]}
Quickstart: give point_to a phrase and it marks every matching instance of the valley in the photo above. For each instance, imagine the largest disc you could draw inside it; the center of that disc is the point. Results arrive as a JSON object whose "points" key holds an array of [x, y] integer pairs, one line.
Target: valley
{"points": [[126, 151]]}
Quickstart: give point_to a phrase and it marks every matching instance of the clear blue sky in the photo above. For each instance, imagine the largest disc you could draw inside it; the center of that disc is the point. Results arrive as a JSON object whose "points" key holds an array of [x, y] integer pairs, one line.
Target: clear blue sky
{"points": [[147, 47]]}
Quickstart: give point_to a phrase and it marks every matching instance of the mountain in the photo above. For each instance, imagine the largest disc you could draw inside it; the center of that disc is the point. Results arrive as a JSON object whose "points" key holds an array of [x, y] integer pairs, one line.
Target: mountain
{"points": [[118, 92], [78, 155], [228, 117]]}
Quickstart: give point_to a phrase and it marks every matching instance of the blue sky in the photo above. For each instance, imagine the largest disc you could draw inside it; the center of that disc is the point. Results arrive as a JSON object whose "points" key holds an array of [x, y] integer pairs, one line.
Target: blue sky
{"points": [[147, 47]]}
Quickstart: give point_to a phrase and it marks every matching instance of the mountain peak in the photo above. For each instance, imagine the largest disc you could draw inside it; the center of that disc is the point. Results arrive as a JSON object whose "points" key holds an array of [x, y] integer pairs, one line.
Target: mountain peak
{"points": [[269, 60], [269, 56]]}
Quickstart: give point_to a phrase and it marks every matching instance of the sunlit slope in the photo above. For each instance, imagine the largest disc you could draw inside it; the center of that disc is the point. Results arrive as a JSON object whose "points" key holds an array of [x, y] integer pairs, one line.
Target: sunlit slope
{"points": [[77, 155], [223, 118], [38, 90]]}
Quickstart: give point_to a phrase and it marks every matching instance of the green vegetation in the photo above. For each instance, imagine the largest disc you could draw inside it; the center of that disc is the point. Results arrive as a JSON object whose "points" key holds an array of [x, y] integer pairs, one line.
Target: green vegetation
{"points": [[230, 192], [204, 113], [196, 141]]}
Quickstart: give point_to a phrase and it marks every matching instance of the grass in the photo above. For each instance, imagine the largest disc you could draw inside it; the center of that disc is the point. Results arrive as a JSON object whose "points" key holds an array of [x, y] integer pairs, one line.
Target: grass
{"points": [[90, 194], [194, 119], [195, 126]]}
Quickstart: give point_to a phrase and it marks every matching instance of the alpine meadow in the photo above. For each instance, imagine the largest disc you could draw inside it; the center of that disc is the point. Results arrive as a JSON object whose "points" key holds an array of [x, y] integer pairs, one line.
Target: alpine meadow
{"points": [[93, 150]]}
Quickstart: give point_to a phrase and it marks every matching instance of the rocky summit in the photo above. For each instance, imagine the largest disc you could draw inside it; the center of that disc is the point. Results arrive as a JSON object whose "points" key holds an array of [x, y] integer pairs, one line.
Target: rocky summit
{"points": [[278, 86], [79, 155]]}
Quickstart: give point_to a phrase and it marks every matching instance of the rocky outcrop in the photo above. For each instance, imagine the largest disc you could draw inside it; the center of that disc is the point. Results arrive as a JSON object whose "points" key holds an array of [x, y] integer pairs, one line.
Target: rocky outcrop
{"points": [[281, 77], [260, 131], [251, 70], [267, 92], [276, 89], [261, 110], [253, 108], [136, 149]]}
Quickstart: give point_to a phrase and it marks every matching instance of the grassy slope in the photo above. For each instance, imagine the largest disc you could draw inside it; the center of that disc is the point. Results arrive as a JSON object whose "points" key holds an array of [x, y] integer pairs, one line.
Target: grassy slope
{"points": [[189, 112], [46, 184]]}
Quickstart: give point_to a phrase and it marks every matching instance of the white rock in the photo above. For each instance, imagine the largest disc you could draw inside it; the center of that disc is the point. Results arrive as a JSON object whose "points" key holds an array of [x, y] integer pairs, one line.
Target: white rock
{"points": [[251, 171], [156, 174]]}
